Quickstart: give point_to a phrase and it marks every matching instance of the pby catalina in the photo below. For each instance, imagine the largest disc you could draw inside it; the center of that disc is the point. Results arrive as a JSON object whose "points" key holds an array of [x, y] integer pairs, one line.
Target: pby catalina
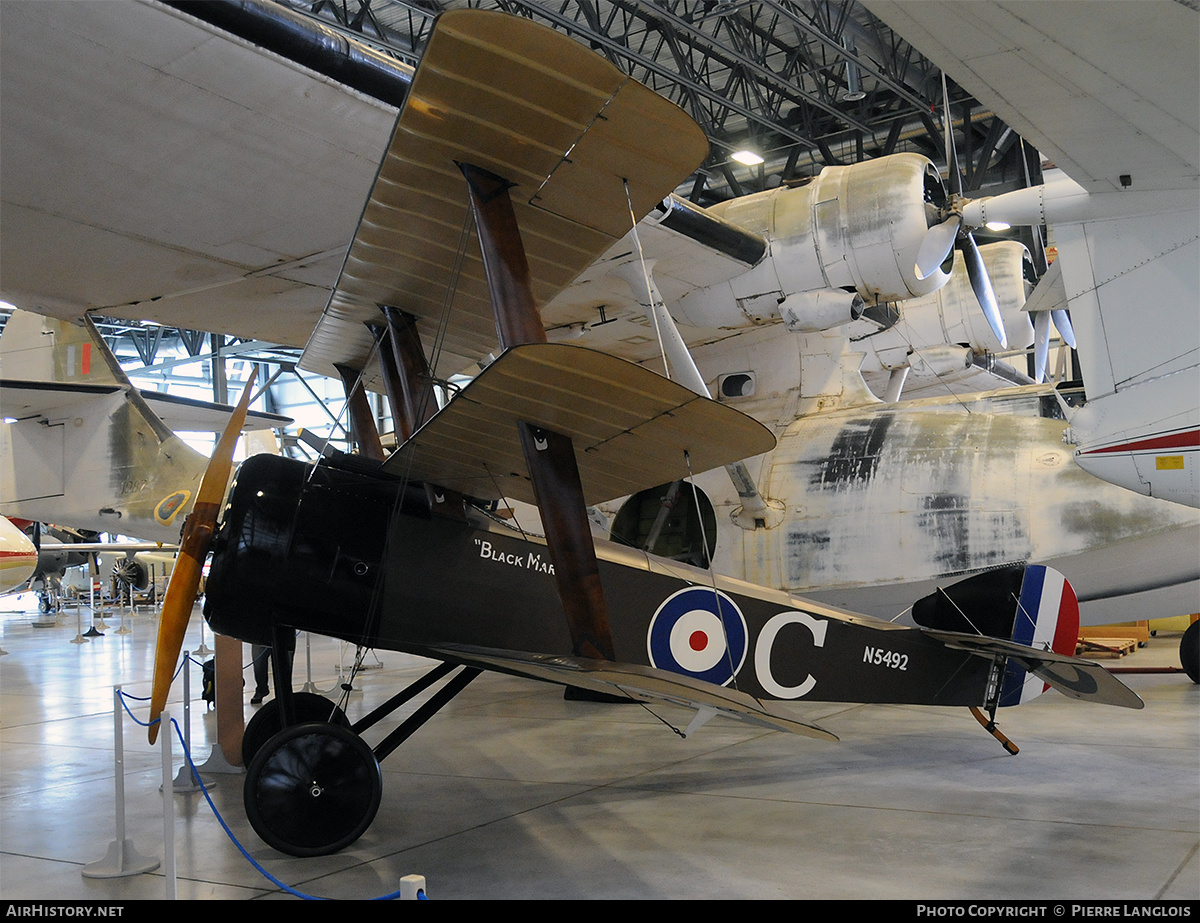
{"points": [[402, 551], [1119, 114]]}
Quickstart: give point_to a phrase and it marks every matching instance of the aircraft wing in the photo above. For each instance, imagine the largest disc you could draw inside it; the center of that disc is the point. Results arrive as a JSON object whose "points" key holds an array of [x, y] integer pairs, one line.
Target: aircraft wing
{"points": [[1101, 89], [232, 177], [630, 426], [188, 415], [589, 150], [49, 366], [125, 548], [40, 398], [632, 681]]}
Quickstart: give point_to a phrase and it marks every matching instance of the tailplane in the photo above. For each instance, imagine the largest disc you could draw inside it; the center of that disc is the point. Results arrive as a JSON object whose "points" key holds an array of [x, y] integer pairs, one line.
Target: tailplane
{"points": [[1026, 617]]}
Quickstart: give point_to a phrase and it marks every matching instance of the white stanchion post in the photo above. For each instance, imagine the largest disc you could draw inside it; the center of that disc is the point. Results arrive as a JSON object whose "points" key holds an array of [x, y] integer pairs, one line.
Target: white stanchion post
{"points": [[124, 629], [184, 780], [101, 625], [79, 638], [412, 888], [203, 650], [122, 859], [164, 734], [309, 685]]}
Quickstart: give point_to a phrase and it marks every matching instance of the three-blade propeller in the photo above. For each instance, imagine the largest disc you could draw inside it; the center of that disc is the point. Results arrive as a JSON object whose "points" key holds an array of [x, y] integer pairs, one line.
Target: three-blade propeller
{"points": [[1041, 338], [185, 577], [951, 232]]}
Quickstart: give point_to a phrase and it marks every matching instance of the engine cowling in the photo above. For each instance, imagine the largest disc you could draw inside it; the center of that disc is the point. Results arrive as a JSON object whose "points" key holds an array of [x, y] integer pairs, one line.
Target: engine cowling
{"points": [[809, 312], [854, 228]]}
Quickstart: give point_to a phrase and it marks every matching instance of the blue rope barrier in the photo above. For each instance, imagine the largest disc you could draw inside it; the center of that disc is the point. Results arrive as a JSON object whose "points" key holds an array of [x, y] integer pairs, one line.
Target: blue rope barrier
{"points": [[224, 826]]}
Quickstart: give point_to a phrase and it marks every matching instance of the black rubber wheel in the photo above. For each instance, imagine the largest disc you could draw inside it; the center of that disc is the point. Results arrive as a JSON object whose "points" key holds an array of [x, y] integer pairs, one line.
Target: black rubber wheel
{"points": [[312, 789], [266, 724], [1189, 652]]}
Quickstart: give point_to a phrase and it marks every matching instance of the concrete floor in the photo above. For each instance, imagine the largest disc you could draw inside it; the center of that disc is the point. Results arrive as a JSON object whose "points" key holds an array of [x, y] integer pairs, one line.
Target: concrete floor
{"points": [[512, 792]]}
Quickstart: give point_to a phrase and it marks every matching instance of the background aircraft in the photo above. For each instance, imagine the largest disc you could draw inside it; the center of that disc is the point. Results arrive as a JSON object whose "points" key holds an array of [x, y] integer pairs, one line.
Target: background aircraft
{"points": [[903, 322], [80, 445], [133, 261], [1117, 109], [122, 566], [18, 556], [878, 503]]}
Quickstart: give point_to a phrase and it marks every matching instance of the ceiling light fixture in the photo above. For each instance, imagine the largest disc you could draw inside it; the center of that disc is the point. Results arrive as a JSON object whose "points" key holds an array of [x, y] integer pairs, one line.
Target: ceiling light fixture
{"points": [[747, 157], [854, 91]]}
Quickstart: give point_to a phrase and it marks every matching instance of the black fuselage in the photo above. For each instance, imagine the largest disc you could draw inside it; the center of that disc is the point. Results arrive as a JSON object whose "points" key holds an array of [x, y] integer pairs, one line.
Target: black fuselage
{"points": [[340, 550]]}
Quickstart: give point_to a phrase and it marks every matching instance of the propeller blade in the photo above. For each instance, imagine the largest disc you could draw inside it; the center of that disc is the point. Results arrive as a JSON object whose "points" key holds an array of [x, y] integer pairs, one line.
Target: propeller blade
{"points": [[936, 246], [952, 171], [1041, 344], [185, 576], [982, 286], [1062, 320]]}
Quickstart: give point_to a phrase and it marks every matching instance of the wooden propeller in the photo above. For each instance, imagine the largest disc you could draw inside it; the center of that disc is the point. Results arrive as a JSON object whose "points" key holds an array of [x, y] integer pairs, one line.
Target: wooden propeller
{"points": [[185, 577]]}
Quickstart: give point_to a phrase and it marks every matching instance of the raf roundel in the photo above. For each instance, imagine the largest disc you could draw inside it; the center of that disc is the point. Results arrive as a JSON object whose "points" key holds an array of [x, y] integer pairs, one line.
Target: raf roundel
{"points": [[699, 632]]}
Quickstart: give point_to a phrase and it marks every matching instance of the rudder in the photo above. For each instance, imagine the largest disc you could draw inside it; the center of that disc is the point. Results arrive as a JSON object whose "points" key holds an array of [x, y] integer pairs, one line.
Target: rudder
{"points": [[1047, 618]]}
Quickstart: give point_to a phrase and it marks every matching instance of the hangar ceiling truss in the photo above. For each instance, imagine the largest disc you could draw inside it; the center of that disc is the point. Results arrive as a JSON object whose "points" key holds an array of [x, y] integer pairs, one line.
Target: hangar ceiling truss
{"points": [[806, 84]]}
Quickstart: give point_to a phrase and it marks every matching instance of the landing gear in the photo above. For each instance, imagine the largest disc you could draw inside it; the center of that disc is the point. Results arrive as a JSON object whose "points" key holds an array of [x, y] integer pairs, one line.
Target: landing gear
{"points": [[1189, 652], [988, 723], [267, 721], [312, 789]]}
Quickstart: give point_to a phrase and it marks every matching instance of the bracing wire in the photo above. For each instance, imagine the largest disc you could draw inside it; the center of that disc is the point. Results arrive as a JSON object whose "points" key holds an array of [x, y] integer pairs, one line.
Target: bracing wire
{"points": [[662, 350], [712, 574]]}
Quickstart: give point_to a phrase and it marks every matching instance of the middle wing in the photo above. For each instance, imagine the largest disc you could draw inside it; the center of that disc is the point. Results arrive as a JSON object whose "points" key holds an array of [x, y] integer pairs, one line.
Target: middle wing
{"points": [[630, 426]]}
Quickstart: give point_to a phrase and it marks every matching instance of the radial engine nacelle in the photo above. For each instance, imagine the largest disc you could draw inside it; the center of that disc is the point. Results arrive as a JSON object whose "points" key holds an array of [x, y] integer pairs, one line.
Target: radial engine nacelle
{"points": [[852, 234]]}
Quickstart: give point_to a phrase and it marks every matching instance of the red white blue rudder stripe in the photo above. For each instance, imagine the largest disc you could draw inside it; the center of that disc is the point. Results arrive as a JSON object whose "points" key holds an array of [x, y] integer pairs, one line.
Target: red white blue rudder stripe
{"points": [[1047, 618]]}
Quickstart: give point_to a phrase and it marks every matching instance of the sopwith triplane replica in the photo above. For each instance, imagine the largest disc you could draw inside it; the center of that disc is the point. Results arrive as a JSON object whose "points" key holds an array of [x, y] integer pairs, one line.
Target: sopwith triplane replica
{"points": [[522, 139]]}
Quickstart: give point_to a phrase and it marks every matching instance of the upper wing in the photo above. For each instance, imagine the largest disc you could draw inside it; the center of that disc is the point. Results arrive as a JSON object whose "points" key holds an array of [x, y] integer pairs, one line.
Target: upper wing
{"points": [[589, 150], [1102, 89]]}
